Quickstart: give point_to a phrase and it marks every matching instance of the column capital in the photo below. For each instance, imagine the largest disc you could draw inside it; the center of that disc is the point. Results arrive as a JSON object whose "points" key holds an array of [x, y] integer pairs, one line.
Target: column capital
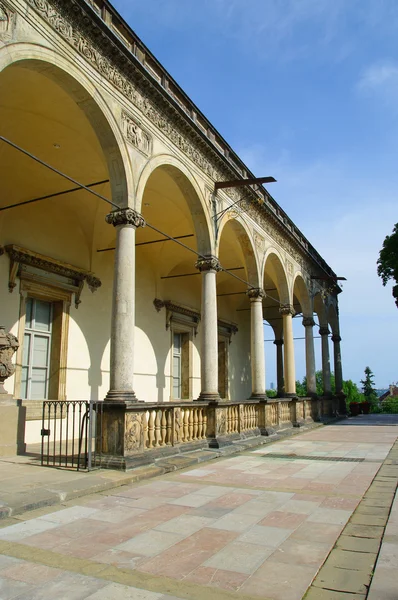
{"points": [[336, 338], [308, 322], [125, 216], [278, 342], [324, 331], [256, 293], [287, 309], [208, 263]]}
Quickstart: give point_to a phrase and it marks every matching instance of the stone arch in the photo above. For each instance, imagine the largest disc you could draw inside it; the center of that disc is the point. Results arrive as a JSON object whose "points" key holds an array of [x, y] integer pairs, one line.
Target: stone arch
{"points": [[191, 191], [273, 264], [242, 234], [300, 290], [88, 98]]}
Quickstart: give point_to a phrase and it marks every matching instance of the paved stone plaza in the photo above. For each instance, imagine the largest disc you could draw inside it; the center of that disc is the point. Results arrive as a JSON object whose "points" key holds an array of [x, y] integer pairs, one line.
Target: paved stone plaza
{"points": [[256, 525]]}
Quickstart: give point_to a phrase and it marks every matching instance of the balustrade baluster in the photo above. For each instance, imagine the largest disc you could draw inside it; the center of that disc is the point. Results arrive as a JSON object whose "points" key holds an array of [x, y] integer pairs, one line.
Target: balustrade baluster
{"points": [[185, 426], [169, 426], [151, 429], [163, 430], [200, 423]]}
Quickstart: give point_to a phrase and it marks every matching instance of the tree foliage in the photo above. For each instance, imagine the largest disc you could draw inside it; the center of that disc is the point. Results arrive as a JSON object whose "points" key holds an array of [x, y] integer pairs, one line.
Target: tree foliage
{"points": [[368, 386], [387, 264], [301, 386]]}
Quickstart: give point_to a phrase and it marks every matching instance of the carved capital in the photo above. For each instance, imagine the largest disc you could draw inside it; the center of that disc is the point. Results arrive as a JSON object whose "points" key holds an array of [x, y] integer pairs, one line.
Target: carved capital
{"points": [[308, 322], [324, 331], [208, 263], [125, 216], [287, 309], [278, 342], [256, 293], [336, 338]]}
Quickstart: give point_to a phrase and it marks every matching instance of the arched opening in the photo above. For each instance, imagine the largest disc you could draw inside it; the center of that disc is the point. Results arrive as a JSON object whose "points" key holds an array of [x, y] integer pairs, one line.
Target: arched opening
{"points": [[277, 293], [168, 286], [54, 116], [236, 253]]}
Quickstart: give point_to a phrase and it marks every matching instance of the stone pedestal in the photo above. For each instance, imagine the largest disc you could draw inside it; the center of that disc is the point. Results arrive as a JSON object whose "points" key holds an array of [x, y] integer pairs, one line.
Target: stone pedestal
{"points": [[12, 426]]}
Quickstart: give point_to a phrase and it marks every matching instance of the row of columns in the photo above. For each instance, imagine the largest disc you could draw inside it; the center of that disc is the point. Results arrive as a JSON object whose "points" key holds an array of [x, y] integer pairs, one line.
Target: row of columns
{"points": [[126, 221]]}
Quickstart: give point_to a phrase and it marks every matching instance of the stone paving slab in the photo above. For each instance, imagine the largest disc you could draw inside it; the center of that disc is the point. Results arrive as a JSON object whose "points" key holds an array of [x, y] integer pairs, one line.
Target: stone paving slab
{"points": [[243, 526]]}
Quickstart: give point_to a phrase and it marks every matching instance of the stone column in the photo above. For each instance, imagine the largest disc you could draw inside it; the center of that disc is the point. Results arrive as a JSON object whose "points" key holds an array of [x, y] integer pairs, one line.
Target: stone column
{"points": [[280, 385], [309, 323], [125, 221], [327, 388], [209, 266], [287, 313], [256, 296], [338, 371]]}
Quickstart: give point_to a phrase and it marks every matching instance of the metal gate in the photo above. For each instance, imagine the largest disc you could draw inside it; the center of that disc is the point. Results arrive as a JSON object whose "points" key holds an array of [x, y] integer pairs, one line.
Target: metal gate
{"points": [[71, 433]]}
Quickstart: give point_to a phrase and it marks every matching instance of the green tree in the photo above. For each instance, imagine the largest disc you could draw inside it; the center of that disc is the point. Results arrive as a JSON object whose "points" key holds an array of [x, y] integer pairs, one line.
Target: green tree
{"points": [[368, 386], [301, 386], [352, 392], [387, 264]]}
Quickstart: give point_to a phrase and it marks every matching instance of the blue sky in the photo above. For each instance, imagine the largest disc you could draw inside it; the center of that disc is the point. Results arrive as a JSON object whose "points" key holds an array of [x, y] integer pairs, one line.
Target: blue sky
{"points": [[306, 91]]}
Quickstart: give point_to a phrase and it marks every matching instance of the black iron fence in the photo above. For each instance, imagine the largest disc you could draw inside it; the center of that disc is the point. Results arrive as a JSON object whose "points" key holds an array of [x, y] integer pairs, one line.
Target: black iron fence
{"points": [[69, 433]]}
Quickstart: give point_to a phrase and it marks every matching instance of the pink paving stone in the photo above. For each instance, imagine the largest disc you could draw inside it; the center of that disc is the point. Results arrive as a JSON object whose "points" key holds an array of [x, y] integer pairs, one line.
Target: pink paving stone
{"points": [[31, 573], [229, 501], [187, 555], [217, 578], [44, 541], [282, 519], [119, 558], [320, 488], [80, 528], [308, 497]]}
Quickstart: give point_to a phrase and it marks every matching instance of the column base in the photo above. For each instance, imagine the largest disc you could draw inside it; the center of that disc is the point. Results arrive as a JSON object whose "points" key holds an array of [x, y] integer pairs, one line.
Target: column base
{"points": [[288, 395], [259, 397], [209, 397], [121, 396]]}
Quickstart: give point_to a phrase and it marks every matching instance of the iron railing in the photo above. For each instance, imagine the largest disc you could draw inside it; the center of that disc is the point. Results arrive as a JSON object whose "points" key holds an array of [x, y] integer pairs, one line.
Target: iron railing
{"points": [[69, 433]]}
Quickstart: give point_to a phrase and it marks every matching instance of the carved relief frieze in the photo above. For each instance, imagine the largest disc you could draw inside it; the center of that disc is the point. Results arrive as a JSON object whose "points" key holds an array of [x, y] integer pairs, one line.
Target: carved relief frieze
{"points": [[7, 20], [136, 135], [8, 346], [259, 242]]}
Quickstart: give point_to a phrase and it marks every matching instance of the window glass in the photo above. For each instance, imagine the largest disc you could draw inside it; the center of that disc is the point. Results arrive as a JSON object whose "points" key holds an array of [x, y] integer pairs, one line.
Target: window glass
{"points": [[42, 315], [29, 310]]}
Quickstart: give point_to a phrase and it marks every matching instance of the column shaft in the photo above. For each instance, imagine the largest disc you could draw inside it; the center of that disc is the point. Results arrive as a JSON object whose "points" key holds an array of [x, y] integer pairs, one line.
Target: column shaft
{"points": [[327, 388], [338, 370], [256, 296], [287, 312], [209, 266], [309, 323], [123, 305]]}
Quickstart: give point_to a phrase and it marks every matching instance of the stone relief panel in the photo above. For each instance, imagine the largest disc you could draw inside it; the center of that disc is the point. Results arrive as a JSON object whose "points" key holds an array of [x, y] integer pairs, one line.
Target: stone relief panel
{"points": [[7, 20], [136, 135], [134, 433]]}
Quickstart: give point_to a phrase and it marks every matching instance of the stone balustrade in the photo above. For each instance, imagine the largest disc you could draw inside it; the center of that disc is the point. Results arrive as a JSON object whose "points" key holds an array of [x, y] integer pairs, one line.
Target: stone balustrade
{"points": [[146, 431]]}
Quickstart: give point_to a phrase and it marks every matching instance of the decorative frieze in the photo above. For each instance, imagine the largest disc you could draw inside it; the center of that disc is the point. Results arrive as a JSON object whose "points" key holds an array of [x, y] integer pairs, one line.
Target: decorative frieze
{"points": [[125, 216], [136, 135], [208, 263]]}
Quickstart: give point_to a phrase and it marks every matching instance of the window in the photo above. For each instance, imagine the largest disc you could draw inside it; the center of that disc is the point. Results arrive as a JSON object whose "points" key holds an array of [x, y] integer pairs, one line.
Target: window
{"points": [[177, 365], [180, 366], [36, 350]]}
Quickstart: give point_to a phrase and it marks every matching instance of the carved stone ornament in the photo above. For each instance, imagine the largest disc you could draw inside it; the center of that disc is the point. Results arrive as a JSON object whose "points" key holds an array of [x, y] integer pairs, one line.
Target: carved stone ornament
{"points": [[308, 322], [256, 293], [174, 310], [136, 135], [259, 241], [287, 309], [125, 216], [8, 346], [7, 18], [221, 422], [76, 276], [134, 434], [336, 338], [208, 263], [324, 331]]}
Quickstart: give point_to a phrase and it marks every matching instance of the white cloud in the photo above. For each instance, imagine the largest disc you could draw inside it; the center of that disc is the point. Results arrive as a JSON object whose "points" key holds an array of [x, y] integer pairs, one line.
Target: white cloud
{"points": [[380, 80]]}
